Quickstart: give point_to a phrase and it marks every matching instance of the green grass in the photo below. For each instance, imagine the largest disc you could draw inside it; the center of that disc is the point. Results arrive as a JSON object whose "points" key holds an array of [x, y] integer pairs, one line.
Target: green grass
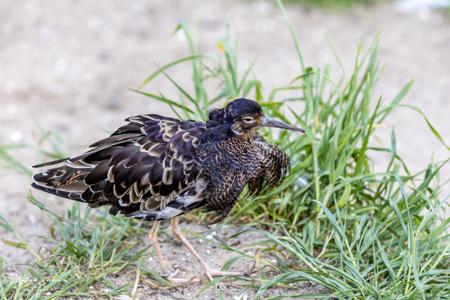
{"points": [[82, 256], [334, 221]]}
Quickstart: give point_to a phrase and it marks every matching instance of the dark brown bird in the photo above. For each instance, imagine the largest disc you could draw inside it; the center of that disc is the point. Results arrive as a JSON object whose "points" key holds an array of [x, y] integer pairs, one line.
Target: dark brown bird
{"points": [[157, 168]]}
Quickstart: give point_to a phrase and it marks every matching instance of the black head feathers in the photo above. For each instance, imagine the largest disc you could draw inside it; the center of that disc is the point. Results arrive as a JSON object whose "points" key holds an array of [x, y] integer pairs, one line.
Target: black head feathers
{"points": [[234, 109], [242, 106]]}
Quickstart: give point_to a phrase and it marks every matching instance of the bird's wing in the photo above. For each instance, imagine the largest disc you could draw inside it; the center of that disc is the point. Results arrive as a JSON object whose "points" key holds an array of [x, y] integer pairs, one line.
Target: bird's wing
{"points": [[142, 166], [274, 167]]}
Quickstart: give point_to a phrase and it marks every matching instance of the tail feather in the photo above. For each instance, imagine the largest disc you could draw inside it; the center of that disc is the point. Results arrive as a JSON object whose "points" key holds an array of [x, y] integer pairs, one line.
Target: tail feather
{"points": [[62, 181], [50, 163], [60, 193], [99, 146]]}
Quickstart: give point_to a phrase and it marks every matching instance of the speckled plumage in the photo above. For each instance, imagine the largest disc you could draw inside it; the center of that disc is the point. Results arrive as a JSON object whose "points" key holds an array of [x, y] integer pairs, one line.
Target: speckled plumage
{"points": [[157, 168], [230, 164]]}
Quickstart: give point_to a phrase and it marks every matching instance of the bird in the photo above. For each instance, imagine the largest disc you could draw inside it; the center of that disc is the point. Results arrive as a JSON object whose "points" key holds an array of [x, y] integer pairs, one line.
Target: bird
{"points": [[157, 168]]}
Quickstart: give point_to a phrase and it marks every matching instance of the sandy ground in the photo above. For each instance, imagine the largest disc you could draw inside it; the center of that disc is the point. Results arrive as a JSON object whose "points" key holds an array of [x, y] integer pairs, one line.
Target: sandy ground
{"points": [[66, 65]]}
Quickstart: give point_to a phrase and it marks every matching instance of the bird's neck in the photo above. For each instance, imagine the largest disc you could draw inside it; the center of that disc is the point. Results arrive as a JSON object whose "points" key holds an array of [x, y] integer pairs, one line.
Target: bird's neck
{"points": [[224, 133]]}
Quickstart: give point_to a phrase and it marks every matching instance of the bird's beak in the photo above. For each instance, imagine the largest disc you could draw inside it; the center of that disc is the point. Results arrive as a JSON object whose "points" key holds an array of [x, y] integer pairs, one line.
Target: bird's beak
{"points": [[269, 122]]}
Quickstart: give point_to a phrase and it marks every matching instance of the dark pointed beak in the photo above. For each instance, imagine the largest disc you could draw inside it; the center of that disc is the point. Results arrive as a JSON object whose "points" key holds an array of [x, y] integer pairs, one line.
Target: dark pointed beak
{"points": [[269, 122]]}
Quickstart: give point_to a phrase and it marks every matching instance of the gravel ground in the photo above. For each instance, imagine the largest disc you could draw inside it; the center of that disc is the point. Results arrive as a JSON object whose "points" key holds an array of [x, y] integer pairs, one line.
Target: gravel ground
{"points": [[66, 66]]}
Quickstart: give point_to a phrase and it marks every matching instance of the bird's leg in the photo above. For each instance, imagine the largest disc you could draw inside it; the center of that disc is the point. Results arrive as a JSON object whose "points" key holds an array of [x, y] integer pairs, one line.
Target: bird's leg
{"points": [[154, 239], [209, 272]]}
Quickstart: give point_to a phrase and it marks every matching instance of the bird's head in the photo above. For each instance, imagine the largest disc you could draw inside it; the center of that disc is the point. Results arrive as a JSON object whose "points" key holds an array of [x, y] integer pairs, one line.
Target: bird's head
{"points": [[245, 116]]}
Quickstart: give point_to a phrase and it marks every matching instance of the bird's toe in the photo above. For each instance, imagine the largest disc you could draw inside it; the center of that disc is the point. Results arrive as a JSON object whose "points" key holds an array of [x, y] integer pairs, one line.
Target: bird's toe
{"points": [[183, 281], [211, 273]]}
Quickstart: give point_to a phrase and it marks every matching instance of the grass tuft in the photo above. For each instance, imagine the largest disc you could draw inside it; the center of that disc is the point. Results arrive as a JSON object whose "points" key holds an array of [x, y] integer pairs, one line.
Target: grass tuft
{"points": [[82, 255]]}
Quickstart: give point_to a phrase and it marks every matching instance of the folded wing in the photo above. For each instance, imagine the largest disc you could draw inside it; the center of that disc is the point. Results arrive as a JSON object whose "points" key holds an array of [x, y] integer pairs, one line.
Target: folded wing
{"points": [[141, 168]]}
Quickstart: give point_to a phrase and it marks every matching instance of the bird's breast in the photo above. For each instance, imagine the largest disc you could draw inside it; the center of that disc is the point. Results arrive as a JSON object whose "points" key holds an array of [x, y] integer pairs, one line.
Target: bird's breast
{"points": [[238, 157]]}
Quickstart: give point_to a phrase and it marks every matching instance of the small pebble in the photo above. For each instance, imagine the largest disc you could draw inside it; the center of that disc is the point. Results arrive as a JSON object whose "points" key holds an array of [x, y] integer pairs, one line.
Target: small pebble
{"points": [[301, 182]]}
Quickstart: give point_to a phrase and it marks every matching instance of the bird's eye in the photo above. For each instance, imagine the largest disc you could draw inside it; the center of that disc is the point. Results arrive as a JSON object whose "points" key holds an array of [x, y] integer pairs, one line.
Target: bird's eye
{"points": [[248, 120]]}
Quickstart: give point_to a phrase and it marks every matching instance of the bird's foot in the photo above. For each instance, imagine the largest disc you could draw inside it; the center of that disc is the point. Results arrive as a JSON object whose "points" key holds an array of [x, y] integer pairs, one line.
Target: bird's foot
{"points": [[211, 273], [183, 281], [179, 280]]}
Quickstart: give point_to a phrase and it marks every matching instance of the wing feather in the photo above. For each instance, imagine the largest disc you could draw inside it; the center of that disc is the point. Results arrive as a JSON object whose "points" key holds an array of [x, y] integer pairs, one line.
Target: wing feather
{"points": [[141, 167]]}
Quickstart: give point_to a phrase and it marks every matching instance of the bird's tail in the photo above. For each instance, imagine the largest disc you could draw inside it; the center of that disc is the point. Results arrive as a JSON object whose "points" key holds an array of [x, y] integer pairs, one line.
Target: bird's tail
{"points": [[64, 181]]}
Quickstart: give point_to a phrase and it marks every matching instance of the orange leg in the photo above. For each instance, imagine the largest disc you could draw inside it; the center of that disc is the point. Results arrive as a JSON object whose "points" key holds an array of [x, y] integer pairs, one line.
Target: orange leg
{"points": [[209, 272], [154, 239]]}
